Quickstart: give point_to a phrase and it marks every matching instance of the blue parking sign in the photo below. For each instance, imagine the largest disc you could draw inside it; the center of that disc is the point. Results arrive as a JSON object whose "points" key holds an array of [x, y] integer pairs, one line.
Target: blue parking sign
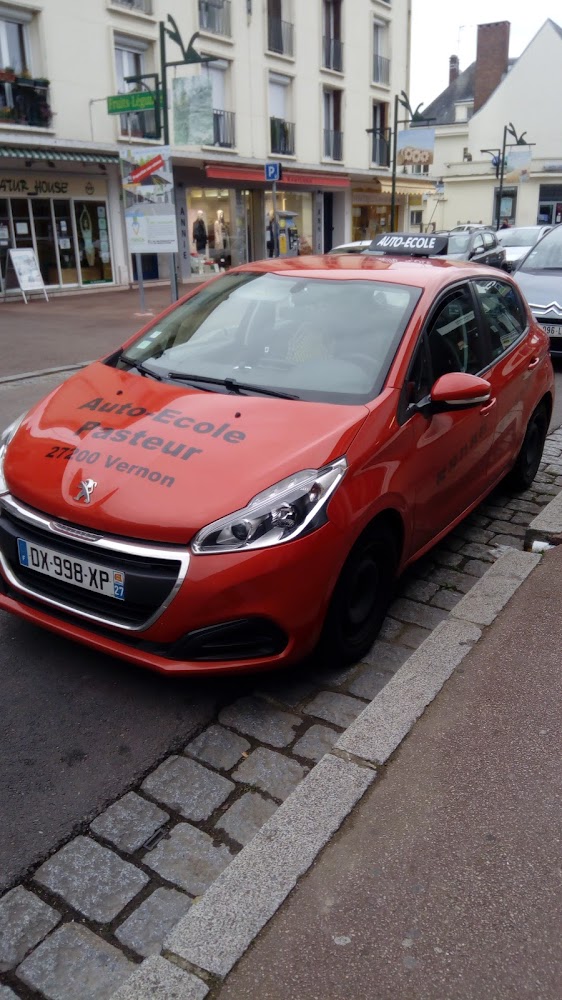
{"points": [[273, 171]]}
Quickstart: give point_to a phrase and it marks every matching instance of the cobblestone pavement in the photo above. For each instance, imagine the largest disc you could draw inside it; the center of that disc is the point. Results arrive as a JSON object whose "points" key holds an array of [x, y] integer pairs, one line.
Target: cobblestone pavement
{"points": [[89, 913]]}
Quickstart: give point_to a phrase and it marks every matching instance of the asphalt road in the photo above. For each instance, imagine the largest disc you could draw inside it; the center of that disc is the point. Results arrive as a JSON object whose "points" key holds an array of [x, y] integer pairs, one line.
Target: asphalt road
{"points": [[77, 729]]}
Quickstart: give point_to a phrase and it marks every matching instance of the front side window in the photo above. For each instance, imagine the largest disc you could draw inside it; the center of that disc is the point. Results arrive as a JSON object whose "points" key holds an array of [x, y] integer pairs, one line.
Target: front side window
{"points": [[316, 339], [503, 313], [453, 336]]}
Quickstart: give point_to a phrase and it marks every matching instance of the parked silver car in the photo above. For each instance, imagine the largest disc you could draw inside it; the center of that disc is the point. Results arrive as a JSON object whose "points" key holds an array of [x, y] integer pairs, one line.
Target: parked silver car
{"points": [[539, 275], [518, 241]]}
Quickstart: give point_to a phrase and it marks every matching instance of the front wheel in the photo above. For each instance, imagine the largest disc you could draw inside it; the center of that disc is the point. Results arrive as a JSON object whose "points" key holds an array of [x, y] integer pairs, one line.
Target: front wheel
{"points": [[529, 457], [360, 599]]}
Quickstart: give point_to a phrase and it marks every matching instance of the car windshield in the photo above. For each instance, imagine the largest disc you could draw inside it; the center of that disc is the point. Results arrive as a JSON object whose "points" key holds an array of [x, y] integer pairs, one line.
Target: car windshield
{"points": [[458, 243], [547, 254], [518, 237], [306, 338]]}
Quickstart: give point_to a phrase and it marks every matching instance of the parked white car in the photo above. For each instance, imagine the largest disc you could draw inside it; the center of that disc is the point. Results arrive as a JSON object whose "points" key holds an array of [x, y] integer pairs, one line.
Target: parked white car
{"points": [[518, 241]]}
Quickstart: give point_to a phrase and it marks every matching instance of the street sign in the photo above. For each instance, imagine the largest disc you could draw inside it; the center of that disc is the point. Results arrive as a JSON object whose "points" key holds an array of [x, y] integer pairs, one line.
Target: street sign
{"points": [[273, 172], [123, 104]]}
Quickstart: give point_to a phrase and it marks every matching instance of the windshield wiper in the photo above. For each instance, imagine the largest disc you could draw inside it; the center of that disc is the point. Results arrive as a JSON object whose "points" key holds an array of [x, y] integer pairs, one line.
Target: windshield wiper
{"points": [[231, 384], [138, 365]]}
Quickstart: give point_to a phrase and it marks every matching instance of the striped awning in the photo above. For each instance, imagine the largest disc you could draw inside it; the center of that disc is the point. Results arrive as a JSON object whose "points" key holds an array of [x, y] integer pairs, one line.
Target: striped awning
{"points": [[28, 153]]}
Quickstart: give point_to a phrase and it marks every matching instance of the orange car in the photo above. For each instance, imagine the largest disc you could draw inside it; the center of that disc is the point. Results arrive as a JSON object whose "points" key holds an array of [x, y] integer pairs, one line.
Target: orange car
{"points": [[245, 478]]}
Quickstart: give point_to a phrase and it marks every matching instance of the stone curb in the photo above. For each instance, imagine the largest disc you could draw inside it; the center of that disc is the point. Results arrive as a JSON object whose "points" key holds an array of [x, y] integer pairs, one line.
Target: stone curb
{"points": [[7, 379], [546, 526], [209, 940]]}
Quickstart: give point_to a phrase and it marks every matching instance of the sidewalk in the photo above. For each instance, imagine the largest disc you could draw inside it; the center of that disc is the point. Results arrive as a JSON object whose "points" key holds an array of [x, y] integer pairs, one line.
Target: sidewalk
{"points": [[71, 329], [444, 881]]}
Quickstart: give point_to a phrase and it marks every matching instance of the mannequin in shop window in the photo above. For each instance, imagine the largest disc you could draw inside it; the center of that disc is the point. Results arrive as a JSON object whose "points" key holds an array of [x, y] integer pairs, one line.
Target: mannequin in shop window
{"points": [[200, 232], [221, 231]]}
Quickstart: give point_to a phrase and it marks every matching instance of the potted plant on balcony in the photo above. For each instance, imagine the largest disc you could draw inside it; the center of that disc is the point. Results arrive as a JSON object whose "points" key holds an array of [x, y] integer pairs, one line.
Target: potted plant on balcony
{"points": [[7, 75]]}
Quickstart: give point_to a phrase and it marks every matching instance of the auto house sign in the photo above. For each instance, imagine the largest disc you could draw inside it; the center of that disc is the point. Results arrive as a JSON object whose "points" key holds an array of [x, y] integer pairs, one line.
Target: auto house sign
{"points": [[48, 186]]}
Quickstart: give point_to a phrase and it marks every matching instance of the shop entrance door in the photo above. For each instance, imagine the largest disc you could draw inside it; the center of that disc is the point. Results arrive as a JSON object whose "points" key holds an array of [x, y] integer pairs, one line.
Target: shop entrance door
{"points": [[550, 213]]}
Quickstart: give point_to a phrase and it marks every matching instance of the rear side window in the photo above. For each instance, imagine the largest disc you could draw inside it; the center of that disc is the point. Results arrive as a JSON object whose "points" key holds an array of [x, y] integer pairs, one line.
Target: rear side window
{"points": [[503, 313], [489, 241]]}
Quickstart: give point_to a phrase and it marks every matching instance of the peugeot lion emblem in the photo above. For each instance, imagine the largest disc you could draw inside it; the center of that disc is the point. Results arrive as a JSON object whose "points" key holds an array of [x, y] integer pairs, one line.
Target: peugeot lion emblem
{"points": [[87, 487]]}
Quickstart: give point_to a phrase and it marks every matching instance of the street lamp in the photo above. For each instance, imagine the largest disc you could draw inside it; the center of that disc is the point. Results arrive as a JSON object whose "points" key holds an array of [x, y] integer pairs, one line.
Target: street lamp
{"points": [[520, 140], [414, 118]]}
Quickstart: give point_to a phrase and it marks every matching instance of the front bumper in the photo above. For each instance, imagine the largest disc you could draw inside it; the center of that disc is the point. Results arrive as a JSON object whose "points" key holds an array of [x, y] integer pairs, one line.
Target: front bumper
{"points": [[191, 614]]}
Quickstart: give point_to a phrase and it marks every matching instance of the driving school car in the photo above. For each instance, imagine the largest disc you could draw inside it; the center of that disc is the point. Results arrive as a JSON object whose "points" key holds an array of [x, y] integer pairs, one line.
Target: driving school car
{"points": [[243, 480]]}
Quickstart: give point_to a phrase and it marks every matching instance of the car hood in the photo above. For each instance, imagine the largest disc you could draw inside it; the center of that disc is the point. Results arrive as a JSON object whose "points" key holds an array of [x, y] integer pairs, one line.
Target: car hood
{"points": [[543, 291], [165, 460], [514, 253]]}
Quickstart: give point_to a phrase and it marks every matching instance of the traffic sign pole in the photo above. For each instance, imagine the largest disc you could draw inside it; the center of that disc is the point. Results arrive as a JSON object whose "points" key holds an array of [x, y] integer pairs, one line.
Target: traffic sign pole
{"points": [[273, 172]]}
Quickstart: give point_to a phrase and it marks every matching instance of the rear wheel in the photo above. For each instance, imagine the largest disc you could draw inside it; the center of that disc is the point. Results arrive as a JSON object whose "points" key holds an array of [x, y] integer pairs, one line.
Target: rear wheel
{"points": [[529, 457], [361, 597]]}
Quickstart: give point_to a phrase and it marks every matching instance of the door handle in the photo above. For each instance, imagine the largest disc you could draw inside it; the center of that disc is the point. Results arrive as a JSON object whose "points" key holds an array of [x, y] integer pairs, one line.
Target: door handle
{"points": [[485, 410], [533, 364]]}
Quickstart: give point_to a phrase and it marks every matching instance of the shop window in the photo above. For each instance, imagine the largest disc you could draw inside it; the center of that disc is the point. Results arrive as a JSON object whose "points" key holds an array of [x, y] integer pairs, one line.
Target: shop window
{"points": [[507, 206], [93, 241], [416, 216]]}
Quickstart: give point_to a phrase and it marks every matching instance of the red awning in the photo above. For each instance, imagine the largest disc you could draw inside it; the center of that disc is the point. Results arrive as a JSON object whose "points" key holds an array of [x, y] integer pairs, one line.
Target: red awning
{"points": [[295, 178]]}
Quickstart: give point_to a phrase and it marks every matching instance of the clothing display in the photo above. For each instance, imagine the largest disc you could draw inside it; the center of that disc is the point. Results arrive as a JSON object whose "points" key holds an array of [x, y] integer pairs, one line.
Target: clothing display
{"points": [[200, 234], [221, 232]]}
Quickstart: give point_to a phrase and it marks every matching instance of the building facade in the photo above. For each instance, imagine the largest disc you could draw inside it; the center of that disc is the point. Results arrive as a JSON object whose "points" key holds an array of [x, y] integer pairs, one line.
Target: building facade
{"points": [[307, 84], [474, 115]]}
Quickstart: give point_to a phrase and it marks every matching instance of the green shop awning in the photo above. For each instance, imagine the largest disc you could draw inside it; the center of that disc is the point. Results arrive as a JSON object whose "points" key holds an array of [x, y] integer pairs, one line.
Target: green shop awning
{"points": [[21, 153]]}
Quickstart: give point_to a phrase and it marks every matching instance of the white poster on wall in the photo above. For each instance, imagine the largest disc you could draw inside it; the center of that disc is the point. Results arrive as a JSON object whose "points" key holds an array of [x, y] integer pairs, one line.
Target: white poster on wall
{"points": [[148, 190]]}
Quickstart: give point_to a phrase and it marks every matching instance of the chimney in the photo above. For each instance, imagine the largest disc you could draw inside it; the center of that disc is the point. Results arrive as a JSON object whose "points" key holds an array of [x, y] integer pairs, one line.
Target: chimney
{"points": [[453, 69], [492, 52]]}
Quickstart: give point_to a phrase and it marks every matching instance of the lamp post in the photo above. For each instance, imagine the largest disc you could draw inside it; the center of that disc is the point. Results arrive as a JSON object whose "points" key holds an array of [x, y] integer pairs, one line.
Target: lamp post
{"points": [[500, 164], [414, 118]]}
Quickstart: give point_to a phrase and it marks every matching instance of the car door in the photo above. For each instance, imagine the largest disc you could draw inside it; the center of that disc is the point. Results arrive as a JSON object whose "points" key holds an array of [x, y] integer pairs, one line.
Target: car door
{"points": [[476, 249], [514, 355], [450, 457]]}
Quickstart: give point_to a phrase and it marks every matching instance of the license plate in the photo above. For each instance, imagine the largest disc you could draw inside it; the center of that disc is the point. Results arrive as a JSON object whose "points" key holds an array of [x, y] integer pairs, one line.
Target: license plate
{"points": [[79, 572], [553, 329]]}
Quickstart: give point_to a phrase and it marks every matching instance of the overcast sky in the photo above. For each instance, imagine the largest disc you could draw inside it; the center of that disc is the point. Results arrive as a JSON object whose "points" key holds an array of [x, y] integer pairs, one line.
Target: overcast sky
{"points": [[442, 28]]}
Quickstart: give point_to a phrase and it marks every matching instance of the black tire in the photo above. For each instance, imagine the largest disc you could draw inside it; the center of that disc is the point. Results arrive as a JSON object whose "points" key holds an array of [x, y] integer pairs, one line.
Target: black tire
{"points": [[529, 457], [361, 597]]}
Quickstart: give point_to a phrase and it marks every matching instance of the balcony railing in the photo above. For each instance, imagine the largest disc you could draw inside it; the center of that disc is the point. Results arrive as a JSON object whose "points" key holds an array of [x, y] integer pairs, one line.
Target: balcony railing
{"points": [[282, 136], [333, 144], [143, 6], [223, 129], [380, 153], [280, 36], [381, 70], [214, 16], [25, 102], [332, 55]]}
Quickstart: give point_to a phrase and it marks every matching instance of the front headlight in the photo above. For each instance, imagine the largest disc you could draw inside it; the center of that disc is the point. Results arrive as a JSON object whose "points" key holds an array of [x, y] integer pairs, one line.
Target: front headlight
{"points": [[279, 514], [5, 438]]}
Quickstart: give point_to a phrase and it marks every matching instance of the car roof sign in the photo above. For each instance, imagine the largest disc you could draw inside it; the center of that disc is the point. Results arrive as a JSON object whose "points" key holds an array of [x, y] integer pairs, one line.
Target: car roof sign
{"points": [[410, 244]]}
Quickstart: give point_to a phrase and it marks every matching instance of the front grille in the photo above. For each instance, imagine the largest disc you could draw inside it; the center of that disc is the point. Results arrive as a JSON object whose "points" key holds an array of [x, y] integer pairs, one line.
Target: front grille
{"points": [[149, 581]]}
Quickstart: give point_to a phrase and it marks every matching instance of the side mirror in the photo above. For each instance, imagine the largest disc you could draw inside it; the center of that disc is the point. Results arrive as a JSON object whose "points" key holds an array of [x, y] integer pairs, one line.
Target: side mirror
{"points": [[459, 391]]}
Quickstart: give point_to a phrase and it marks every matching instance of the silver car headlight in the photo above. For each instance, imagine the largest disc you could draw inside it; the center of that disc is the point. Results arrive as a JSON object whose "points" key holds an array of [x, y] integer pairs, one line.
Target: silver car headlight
{"points": [[278, 514], [5, 438]]}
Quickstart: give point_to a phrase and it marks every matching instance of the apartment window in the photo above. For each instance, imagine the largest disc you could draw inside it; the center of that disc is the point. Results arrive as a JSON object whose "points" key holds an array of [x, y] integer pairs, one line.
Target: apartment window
{"points": [[281, 128], [416, 217], [13, 44], [381, 62], [333, 135], [214, 16], [143, 6], [280, 29], [131, 61], [218, 74], [380, 151], [332, 45]]}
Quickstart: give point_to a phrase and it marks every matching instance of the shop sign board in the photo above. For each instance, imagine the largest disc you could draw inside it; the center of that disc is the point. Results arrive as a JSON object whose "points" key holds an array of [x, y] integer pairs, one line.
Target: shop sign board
{"points": [[124, 104], [148, 192], [27, 272], [415, 146]]}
